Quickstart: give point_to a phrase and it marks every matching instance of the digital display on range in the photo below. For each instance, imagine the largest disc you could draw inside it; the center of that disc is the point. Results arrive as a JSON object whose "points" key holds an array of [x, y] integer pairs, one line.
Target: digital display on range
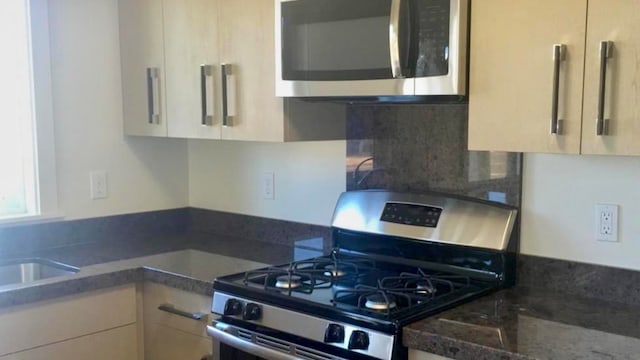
{"points": [[411, 214]]}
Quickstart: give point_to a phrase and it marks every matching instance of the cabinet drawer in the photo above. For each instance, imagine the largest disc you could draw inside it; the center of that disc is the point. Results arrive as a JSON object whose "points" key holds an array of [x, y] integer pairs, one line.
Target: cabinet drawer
{"points": [[119, 343], [28, 326], [166, 343], [156, 295]]}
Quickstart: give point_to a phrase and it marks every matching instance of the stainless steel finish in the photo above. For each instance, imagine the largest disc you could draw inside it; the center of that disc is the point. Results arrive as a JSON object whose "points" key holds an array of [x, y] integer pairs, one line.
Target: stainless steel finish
{"points": [[170, 308], [309, 327], [263, 346], [559, 55], [454, 83], [606, 52], [153, 75], [22, 271], [462, 222], [226, 70], [394, 38], [206, 71]]}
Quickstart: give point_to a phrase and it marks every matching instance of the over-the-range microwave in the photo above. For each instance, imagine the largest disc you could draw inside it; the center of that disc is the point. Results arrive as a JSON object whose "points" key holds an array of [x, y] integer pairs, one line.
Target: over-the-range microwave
{"points": [[371, 48]]}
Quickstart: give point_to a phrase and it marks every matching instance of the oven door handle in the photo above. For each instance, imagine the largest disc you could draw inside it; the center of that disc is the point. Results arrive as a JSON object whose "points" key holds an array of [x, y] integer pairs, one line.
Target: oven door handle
{"points": [[227, 334]]}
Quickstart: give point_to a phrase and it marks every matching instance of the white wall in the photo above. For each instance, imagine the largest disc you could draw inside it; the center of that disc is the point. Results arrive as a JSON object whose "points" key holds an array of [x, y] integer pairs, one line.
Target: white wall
{"points": [[309, 176], [558, 216], [144, 174]]}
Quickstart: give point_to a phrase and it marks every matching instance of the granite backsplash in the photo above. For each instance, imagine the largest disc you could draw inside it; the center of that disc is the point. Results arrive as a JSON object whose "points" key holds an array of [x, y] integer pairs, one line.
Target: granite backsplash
{"points": [[419, 148]]}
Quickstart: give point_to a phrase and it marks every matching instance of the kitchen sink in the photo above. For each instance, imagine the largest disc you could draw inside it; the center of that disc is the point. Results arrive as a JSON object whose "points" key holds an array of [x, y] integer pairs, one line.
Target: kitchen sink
{"points": [[22, 271]]}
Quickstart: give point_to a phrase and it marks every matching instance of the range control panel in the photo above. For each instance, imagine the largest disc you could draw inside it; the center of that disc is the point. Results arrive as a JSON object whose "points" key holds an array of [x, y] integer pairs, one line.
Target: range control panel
{"points": [[411, 214]]}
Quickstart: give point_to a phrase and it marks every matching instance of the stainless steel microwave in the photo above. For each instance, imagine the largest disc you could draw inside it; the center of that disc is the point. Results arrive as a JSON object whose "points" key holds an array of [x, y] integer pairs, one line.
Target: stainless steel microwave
{"points": [[364, 48]]}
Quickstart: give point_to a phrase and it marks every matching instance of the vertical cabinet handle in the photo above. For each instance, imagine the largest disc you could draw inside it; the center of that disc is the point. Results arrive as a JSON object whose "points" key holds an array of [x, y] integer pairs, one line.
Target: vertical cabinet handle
{"points": [[226, 70], [559, 55], [153, 92], [206, 72], [394, 39], [606, 52]]}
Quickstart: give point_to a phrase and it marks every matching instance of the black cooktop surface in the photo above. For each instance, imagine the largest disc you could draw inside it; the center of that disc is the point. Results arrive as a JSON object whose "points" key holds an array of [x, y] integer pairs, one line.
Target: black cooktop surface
{"points": [[356, 289]]}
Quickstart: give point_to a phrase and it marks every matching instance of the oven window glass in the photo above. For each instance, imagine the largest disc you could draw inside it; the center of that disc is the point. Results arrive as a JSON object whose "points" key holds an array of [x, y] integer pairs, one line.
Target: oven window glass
{"points": [[335, 40]]}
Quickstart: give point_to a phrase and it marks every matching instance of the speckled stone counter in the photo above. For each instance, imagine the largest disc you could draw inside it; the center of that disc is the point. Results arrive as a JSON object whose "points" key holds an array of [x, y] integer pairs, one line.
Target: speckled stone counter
{"points": [[185, 262], [521, 323]]}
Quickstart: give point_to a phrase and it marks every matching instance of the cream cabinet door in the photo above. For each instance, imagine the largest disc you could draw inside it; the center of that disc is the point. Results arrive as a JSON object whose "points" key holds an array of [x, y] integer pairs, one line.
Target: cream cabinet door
{"points": [[246, 31], [166, 343], [119, 343], [421, 355], [142, 61], [618, 22], [192, 71], [512, 73]]}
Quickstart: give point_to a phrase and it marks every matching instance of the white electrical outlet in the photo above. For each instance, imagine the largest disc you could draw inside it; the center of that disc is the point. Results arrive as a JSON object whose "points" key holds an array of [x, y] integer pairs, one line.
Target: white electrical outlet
{"points": [[99, 186], [607, 222], [268, 186]]}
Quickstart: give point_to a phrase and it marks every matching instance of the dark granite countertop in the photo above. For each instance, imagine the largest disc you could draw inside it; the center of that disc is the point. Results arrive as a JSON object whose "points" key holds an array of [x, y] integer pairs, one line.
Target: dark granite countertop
{"points": [[188, 262], [521, 323]]}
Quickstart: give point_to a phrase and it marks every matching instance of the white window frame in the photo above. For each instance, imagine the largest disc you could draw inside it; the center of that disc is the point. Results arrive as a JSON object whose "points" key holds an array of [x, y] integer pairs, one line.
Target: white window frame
{"points": [[46, 187]]}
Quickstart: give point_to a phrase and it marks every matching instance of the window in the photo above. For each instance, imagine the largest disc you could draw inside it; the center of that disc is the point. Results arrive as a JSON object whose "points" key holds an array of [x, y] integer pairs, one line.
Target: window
{"points": [[27, 169]]}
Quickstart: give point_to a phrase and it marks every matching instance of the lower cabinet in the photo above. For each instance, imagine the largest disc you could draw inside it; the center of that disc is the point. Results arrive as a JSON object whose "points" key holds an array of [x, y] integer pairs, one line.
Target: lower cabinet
{"points": [[171, 330], [421, 355], [119, 343], [87, 325], [166, 343]]}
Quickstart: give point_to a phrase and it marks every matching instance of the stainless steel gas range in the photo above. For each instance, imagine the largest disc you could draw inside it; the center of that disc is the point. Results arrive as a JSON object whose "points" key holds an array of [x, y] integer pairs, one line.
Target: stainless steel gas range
{"points": [[397, 258]]}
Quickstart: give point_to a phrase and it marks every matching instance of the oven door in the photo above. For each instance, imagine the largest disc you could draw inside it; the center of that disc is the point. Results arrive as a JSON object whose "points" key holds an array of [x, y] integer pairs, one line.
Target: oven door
{"points": [[261, 344]]}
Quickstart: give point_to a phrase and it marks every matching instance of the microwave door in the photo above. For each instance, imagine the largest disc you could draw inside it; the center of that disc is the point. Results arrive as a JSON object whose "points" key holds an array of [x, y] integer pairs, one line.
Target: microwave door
{"points": [[338, 48], [441, 58]]}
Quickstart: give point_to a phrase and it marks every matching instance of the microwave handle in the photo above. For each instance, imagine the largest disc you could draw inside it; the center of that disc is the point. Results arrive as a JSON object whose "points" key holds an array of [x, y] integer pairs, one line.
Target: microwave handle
{"points": [[394, 39]]}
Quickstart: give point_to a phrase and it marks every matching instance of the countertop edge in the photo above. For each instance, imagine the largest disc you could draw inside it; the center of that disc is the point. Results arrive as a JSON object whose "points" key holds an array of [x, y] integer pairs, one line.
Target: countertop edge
{"points": [[454, 348]]}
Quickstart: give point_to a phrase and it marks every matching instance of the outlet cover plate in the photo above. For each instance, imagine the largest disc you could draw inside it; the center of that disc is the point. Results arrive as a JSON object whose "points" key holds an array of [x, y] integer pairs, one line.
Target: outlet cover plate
{"points": [[606, 216]]}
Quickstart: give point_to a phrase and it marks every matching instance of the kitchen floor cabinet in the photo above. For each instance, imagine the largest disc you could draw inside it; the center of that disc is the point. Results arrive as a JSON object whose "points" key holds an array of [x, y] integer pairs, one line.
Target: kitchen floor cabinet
{"points": [[531, 75], [421, 355], [53, 329], [205, 69], [112, 344], [170, 335]]}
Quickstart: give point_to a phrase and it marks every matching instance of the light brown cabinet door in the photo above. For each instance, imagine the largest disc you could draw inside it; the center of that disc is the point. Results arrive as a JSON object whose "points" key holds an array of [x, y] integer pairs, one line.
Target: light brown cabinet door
{"points": [[142, 61], [511, 75], [191, 41], [165, 343], [246, 30], [119, 343], [618, 22]]}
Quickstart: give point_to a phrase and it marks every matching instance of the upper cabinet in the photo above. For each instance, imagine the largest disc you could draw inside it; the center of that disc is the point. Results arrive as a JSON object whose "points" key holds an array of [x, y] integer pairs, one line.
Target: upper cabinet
{"points": [[205, 69], [142, 66], [616, 24], [534, 87]]}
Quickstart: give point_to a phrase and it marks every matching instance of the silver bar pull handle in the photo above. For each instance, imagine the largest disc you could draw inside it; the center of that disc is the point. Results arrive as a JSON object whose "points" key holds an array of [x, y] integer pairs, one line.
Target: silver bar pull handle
{"points": [[170, 308], [559, 55], [226, 70], [152, 92], [206, 71], [394, 39], [606, 52]]}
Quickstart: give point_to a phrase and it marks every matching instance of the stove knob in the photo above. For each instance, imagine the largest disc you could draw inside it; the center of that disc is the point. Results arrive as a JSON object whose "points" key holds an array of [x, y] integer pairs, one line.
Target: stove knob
{"points": [[252, 312], [359, 340], [334, 334], [233, 307]]}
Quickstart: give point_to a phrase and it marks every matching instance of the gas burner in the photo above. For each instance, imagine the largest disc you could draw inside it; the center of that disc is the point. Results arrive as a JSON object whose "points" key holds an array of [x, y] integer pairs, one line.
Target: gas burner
{"points": [[425, 288], [379, 302], [335, 271], [288, 281]]}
